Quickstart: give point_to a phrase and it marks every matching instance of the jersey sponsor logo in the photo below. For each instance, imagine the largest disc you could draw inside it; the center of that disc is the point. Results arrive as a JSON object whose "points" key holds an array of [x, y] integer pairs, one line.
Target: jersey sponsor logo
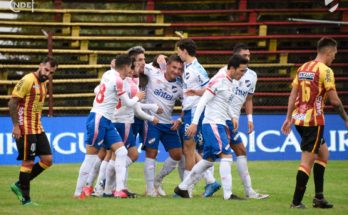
{"points": [[21, 115], [36, 86], [309, 76], [240, 92], [299, 116], [318, 105], [328, 76], [19, 85], [163, 94]]}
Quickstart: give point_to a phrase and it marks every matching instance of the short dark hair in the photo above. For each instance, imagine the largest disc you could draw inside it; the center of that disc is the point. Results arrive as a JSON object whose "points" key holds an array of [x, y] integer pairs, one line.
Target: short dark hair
{"points": [[239, 47], [122, 60], [236, 60], [53, 62], [175, 58], [326, 42], [189, 45], [134, 51]]}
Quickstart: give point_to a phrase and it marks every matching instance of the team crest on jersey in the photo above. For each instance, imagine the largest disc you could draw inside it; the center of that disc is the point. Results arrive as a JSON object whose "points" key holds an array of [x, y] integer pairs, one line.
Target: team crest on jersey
{"points": [[309, 76], [187, 75], [247, 83], [174, 89]]}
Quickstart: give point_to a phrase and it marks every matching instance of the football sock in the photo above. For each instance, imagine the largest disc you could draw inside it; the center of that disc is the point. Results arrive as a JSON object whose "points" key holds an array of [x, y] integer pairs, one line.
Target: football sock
{"points": [[120, 167], [226, 176], [318, 172], [149, 171], [181, 167], [168, 167], [24, 181], [301, 183], [38, 168], [195, 174], [110, 177], [85, 168], [101, 174], [242, 167], [94, 172]]}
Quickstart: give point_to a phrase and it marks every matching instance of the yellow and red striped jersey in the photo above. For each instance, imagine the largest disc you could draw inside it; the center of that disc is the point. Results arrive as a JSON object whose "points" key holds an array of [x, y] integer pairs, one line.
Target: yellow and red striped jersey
{"points": [[31, 94], [313, 79]]}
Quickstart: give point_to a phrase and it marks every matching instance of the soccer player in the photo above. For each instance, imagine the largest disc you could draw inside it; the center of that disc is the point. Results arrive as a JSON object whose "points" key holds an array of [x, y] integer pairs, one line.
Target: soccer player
{"points": [[25, 108], [195, 78], [313, 83], [137, 53], [217, 102], [164, 88], [100, 130], [243, 94]]}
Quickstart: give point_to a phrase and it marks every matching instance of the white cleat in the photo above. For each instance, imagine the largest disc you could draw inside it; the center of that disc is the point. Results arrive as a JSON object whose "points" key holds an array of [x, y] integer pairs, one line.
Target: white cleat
{"points": [[158, 187], [257, 196], [152, 193]]}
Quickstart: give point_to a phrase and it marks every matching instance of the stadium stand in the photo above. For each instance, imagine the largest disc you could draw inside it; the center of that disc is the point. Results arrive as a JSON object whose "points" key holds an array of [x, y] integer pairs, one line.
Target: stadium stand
{"points": [[87, 36]]}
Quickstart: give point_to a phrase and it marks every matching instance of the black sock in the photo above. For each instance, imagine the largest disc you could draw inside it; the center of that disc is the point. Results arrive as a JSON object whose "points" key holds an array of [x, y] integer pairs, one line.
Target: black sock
{"points": [[24, 181], [301, 183], [37, 170], [319, 171]]}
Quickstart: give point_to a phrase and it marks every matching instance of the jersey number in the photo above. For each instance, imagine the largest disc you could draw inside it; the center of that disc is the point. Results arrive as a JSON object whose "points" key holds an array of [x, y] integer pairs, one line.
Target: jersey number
{"points": [[306, 91], [100, 95]]}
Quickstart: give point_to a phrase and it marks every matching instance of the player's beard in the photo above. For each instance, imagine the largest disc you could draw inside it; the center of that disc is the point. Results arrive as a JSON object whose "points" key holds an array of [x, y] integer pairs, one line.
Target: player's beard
{"points": [[42, 78]]}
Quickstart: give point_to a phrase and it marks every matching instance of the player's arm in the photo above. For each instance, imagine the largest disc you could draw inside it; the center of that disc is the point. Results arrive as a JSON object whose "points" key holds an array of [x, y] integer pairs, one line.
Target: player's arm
{"points": [[337, 104], [130, 102], [286, 127], [249, 112], [152, 107], [142, 115], [12, 105], [195, 92], [207, 96]]}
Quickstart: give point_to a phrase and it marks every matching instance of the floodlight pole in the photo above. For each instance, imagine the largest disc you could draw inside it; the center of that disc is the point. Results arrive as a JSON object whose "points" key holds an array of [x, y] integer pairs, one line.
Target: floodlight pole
{"points": [[49, 36]]}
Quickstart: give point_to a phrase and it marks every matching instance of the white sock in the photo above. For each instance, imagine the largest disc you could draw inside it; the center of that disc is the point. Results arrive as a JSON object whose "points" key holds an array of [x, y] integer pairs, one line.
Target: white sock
{"points": [[149, 171], [226, 176], [94, 172], [168, 167], [120, 167], [243, 171], [101, 175], [195, 174], [128, 163], [110, 177], [181, 167], [85, 169], [208, 177]]}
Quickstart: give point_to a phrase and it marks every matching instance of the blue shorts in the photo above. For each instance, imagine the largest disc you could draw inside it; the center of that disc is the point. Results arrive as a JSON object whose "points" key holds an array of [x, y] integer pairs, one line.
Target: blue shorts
{"points": [[215, 141], [126, 133], [161, 132], [234, 136], [101, 132], [138, 128], [187, 119]]}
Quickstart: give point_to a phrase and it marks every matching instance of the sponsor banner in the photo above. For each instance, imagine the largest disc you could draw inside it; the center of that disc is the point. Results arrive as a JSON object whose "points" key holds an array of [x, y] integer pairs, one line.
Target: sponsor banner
{"points": [[67, 135]]}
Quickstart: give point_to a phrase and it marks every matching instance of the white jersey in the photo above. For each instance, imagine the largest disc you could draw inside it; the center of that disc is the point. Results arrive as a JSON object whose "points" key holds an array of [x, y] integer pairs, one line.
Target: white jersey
{"points": [[194, 77], [217, 109], [245, 86], [123, 113], [108, 93], [163, 93]]}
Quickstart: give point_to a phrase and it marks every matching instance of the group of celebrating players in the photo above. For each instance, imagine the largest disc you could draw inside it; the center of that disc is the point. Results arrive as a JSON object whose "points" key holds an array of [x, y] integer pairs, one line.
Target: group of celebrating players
{"points": [[135, 98]]}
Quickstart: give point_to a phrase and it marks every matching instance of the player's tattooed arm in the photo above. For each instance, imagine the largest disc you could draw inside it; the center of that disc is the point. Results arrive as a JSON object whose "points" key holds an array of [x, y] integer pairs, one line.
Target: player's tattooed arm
{"points": [[12, 104]]}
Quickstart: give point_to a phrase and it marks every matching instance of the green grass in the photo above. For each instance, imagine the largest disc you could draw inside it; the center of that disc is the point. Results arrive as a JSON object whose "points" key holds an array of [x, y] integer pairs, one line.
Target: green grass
{"points": [[53, 192]]}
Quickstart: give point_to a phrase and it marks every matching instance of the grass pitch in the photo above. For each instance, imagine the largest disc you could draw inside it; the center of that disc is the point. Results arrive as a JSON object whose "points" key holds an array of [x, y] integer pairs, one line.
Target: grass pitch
{"points": [[53, 191]]}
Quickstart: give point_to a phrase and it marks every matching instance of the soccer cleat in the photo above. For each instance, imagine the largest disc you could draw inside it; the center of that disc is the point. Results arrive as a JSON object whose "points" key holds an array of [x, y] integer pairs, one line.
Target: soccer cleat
{"points": [[152, 193], [17, 191], [29, 203], [235, 197], [98, 191], [181, 193], [158, 187], [299, 206], [107, 195], [210, 189], [88, 190], [130, 194], [81, 196], [257, 196], [321, 203], [121, 194]]}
